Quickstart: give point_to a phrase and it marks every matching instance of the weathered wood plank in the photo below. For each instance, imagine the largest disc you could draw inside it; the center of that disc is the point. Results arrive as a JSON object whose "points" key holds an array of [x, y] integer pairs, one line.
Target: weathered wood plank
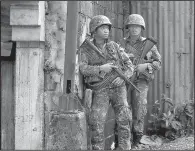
{"points": [[7, 105], [192, 47], [178, 92], [5, 20], [171, 49], [29, 111], [6, 48]]}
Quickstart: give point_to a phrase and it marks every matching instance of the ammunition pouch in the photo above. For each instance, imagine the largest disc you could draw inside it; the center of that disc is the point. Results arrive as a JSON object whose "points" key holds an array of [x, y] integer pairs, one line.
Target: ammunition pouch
{"points": [[147, 76], [143, 75], [105, 82]]}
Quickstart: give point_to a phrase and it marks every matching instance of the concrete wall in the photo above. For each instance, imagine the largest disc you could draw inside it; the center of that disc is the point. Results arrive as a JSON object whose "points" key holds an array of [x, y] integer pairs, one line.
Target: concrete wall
{"points": [[55, 34], [55, 27], [30, 31]]}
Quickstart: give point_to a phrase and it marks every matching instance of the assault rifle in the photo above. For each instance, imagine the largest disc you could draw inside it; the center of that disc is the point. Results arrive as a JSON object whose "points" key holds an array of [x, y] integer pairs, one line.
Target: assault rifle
{"points": [[149, 43], [117, 70]]}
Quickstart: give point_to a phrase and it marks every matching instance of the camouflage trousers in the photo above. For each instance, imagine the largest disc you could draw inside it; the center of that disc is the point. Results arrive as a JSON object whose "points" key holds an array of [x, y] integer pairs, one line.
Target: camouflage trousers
{"points": [[118, 98], [138, 102]]}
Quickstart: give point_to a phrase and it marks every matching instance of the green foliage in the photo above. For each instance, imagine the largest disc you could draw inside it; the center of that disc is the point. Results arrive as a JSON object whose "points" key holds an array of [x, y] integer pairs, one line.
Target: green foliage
{"points": [[174, 121]]}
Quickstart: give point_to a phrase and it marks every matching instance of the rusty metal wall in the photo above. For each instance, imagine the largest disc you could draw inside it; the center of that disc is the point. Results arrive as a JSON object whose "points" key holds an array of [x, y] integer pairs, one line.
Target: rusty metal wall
{"points": [[172, 24]]}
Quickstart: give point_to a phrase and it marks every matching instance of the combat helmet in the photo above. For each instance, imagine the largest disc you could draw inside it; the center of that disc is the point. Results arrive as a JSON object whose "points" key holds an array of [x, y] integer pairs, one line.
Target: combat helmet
{"points": [[97, 21], [135, 19]]}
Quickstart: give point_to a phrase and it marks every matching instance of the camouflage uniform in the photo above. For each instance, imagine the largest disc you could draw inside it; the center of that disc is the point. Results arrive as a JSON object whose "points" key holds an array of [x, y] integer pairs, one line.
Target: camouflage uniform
{"points": [[116, 95], [139, 100]]}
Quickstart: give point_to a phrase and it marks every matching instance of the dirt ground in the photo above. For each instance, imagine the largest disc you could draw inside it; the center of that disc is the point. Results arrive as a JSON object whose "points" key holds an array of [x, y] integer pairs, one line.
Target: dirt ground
{"points": [[183, 143]]}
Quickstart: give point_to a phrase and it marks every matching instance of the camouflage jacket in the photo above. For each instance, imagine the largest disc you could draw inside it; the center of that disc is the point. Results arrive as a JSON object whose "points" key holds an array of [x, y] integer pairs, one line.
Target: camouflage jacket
{"points": [[90, 62], [153, 54]]}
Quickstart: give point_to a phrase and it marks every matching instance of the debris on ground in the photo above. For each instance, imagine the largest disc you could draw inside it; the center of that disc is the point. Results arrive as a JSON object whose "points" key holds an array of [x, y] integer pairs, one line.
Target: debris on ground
{"points": [[157, 143], [184, 143], [153, 140]]}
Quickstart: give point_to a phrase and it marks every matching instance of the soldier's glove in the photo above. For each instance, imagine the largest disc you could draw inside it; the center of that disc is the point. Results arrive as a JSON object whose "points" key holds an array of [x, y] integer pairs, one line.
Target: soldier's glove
{"points": [[125, 56], [141, 68], [107, 67], [118, 81], [131, 56]]}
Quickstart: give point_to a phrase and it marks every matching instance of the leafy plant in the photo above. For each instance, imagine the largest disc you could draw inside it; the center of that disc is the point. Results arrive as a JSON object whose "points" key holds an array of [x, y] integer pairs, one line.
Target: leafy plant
{"points": [[172, 122]]}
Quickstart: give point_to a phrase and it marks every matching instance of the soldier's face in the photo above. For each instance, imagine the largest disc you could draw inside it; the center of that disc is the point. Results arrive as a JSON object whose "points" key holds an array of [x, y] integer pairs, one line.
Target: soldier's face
{"points": [[134, 30], [102, 32]]}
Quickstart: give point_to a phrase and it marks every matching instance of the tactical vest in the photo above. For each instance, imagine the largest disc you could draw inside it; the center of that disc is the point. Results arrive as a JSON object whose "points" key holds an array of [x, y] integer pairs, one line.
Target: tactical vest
{"points": [[94, 59], [136, 49]]}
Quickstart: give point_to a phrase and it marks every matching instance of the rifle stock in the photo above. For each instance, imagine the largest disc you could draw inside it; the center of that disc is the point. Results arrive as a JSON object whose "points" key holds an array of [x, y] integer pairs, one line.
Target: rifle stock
{"points": [[150, 42]]}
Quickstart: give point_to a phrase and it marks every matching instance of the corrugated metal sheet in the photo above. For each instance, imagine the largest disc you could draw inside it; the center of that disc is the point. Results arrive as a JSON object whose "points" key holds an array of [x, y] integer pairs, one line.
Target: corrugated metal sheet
{"points": [[171, 23]]}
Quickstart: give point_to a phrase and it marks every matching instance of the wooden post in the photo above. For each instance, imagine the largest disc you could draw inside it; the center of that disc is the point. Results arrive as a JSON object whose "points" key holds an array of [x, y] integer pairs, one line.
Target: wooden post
{"points": [[27, 20], [7, 105]]}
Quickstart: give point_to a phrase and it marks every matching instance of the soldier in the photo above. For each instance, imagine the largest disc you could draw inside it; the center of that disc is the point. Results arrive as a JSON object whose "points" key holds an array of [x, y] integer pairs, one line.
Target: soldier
{"points": [[107, 87], [133, 44]]}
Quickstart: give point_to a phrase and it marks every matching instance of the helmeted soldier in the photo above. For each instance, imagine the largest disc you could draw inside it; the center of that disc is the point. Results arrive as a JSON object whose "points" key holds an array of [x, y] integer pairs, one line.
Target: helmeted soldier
{"points": [[133, 44], [106, 85]]}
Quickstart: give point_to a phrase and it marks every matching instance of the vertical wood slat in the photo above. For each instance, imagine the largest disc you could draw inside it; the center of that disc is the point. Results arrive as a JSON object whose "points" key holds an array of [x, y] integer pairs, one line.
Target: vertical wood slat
{"points": [[29, 99], [171, 50], [149, 32], [183, 56], [177, 62], [166, 53], [155, 35], [160, 41], [7, 105], [192, 47], [6, 30], [165, 49], [168, 31], [161, 45], [187, 48]]}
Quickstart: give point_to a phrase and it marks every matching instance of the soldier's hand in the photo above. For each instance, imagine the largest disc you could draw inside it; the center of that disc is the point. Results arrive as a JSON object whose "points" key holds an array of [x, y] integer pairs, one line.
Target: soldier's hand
{"points": [[130, 55], [141, 68], [118, 81], [107, 67]]}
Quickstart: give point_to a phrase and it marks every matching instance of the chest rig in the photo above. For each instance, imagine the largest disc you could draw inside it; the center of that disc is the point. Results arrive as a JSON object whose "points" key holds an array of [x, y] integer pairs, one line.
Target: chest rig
{"points": [[135, 49], [110, 53], [112, 56]]}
